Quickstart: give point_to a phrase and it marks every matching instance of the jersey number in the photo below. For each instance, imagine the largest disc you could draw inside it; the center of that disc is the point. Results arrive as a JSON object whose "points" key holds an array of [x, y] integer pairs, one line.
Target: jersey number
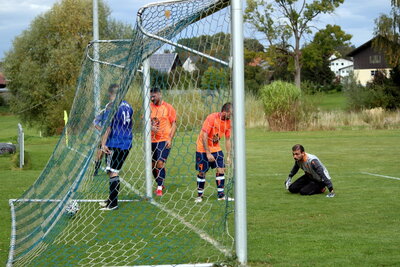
{"points": [[127, 117]]}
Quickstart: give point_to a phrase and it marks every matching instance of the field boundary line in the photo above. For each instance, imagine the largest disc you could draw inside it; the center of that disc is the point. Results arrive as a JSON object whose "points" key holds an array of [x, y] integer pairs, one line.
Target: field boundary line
{"points": [[379, 175]]}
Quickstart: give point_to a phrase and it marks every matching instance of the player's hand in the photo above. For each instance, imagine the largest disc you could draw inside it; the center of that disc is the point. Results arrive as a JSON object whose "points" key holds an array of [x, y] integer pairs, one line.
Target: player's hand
{"points": [[331, 194], [105, 149], [210, 157], [168, 144], [155, 128], [288, 182], [228, 160]]}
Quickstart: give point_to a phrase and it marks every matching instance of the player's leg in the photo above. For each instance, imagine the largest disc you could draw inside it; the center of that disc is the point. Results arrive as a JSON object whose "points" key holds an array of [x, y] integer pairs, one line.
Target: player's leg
{"points": [[160, 166], [202, 166], [312, 188], [297, 185], [220, 175], [115, 160]]}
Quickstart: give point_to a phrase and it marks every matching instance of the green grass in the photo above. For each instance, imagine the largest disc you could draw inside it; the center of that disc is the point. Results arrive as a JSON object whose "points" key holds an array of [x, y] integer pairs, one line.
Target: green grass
{"points": [[357, 228], [328, 102]]}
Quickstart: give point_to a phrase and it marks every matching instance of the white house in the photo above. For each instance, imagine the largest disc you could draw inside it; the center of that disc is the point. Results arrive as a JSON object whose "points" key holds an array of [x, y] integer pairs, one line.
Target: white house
{"points": [[340, 66], [190, 64]]}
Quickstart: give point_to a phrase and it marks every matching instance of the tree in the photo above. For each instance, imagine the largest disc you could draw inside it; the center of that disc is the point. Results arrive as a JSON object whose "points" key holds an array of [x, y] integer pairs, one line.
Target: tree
{"points": [[387, 33], [316, 54], [281, 20], [45, 61]]}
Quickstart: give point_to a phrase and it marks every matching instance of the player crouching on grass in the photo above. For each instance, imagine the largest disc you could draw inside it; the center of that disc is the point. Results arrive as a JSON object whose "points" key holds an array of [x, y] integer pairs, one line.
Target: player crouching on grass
{"points": [[209, 153], [116, 143], [316, 176]]}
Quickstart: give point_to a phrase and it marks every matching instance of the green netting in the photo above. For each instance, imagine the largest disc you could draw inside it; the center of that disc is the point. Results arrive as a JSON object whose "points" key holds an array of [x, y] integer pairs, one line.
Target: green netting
{"points": [[171, 229]]}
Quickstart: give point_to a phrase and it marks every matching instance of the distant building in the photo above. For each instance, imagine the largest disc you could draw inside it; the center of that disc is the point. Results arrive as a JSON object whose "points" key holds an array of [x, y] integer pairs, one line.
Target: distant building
{"points": [[165, 63], [190, 64], [367, 62], [3, 82], [340, 66]]}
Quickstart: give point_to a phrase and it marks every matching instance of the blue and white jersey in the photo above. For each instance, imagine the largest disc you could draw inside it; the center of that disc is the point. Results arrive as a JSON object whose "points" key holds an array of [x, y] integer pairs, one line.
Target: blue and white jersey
{"points": [[121, 128]]}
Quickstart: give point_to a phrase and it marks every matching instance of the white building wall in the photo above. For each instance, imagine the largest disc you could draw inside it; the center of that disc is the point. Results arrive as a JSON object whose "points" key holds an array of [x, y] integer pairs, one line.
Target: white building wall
{"points": [[341, 67], [363, 76]]}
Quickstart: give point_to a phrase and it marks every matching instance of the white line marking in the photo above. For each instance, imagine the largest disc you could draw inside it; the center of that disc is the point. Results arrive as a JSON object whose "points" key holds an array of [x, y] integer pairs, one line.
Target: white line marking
{"points": [[384, 176], [198, 231]]}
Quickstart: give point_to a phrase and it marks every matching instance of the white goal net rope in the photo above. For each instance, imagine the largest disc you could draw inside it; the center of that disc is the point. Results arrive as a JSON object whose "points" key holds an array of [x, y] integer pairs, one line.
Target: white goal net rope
{"points": [[187, 45]]}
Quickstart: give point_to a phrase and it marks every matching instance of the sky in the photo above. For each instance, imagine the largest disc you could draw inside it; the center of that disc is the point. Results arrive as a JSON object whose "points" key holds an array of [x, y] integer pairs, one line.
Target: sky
{"points": [[355, 17]]}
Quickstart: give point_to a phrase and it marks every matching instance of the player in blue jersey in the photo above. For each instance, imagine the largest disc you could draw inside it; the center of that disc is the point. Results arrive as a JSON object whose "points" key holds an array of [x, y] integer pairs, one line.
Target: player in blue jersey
{"points": [[116, 143], [316, 177], [98, 123]]}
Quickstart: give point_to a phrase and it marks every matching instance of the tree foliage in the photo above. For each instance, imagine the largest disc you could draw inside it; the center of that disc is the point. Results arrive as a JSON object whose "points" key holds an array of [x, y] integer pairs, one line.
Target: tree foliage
{"points": [[387, 32], [45, 61], [281, 20], [316, 55]]}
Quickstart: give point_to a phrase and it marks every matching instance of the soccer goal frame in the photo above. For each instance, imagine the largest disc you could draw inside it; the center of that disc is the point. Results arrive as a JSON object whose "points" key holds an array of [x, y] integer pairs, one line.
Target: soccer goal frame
{"points": [[236, 65]]}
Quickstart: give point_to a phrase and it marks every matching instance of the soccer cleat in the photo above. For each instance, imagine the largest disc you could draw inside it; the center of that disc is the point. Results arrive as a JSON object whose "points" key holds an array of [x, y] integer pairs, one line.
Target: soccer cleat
{"points": [[159, 192], [109, 208], [331, 195], [104, 203], [198, 199], [226, 198]]}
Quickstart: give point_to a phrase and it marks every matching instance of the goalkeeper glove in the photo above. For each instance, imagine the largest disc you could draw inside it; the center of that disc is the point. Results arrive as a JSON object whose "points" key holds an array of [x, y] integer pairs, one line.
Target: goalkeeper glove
{"points": [[288, 182]]}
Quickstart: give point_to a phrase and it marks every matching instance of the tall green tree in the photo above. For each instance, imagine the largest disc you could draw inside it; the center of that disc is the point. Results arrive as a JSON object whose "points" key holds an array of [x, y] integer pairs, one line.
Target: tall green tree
{"points": [[325, 43], [387, 32], [45, 60], [281, 20]]}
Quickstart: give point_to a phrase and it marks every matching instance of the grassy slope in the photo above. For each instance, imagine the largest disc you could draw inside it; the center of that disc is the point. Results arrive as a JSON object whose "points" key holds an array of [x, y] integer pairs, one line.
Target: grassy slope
{"points": [[326, 102], [358, 227]]}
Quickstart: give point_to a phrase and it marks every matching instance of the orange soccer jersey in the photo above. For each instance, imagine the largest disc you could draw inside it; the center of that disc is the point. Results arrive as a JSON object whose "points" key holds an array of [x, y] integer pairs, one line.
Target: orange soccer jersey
{"points": [[162, 116], [215, 129]]}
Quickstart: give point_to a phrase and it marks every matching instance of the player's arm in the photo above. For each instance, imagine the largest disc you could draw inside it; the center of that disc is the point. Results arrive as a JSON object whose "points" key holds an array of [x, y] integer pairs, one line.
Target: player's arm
{"points": [[317, 167], [104, 141], [204, 139], [228, 146], [172, 134], [292, 173]]}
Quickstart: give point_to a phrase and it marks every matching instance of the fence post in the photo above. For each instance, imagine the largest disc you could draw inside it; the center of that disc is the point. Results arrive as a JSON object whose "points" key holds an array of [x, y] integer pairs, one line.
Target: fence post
{"points": [[21, 145]]}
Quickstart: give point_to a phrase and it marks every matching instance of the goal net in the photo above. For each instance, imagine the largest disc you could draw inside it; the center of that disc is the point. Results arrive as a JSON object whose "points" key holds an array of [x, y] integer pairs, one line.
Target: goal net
{"points": [[183, 48]]}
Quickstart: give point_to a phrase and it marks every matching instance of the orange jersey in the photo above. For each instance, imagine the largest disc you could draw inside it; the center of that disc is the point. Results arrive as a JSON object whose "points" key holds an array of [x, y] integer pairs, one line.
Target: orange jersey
{"points": [[215, 129], [162, 116]]}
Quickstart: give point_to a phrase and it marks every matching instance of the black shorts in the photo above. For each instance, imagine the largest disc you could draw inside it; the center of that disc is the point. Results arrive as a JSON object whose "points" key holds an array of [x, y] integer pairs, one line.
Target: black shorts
{"points": [[116, 159], [203, 165]]}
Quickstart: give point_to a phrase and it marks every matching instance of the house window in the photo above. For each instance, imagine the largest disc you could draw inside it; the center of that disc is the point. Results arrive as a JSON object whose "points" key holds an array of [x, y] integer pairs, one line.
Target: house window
{"points": [[375, 59], [342, 64], [374, 72]]}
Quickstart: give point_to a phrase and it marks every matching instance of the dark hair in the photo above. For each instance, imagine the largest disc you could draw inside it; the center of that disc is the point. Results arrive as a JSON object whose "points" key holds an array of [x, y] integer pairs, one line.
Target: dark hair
{"points": [[155, 90], [226, 107], [112, 89], [298, 147]]}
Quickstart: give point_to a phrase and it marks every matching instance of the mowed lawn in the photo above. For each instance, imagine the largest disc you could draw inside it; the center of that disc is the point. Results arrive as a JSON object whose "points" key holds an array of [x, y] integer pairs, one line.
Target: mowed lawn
{"points": [[359, 227]]}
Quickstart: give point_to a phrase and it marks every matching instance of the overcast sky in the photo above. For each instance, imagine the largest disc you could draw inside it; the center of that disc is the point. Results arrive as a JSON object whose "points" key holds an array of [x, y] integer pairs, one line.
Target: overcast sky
{"points": [[356, 17]]}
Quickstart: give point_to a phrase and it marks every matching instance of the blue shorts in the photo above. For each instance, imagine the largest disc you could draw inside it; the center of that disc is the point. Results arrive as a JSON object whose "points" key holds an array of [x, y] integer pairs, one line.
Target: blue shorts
{"points": [[203, 165], [160, 152]]}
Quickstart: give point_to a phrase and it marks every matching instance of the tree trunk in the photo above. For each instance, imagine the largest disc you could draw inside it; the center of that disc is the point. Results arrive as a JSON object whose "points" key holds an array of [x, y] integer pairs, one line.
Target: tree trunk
{"points": [[297, 64]]}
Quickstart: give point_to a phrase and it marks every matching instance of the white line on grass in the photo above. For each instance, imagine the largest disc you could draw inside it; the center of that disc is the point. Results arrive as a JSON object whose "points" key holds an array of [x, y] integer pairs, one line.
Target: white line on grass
{"points": [[198, 231], [379, 175]]}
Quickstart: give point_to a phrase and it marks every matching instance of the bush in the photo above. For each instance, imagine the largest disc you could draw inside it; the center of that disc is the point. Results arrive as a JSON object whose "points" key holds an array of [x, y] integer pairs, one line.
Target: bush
{"points": [[381, 92], [282, 105]]}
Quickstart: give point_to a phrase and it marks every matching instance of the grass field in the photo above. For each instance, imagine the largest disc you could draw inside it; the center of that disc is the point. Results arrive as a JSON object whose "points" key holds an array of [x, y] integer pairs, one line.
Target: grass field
{"points": [[360, 227]]}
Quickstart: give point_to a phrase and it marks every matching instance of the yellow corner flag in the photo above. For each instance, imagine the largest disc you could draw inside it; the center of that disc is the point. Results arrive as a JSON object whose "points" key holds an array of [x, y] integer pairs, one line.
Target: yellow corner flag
{"points": [[66, 121]]}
